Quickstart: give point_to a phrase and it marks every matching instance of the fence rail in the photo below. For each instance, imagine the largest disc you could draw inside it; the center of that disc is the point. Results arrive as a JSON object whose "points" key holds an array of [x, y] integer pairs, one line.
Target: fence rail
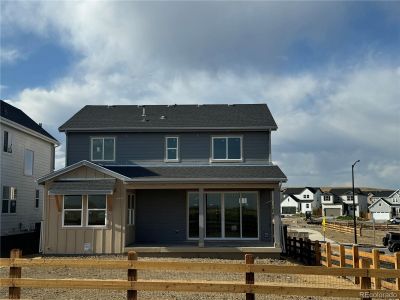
{"points": [[133, 284], [344, 228], [338, 256]]}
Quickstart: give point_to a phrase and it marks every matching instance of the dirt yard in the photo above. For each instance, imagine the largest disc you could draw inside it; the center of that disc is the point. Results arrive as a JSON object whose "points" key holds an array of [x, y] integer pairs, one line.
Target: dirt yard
{"points": [[61, 294], [367, 237]]}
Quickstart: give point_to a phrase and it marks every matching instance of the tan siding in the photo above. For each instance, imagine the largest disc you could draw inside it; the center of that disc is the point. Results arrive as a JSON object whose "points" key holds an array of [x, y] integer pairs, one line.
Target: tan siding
{"points": [[71, 240]]}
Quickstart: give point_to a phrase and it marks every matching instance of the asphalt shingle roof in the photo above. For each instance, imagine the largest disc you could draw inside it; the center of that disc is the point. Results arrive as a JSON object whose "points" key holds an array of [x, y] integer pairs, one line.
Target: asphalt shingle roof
{"points": [[194, 173], [18, 116], [382, 193], [158, 117]]}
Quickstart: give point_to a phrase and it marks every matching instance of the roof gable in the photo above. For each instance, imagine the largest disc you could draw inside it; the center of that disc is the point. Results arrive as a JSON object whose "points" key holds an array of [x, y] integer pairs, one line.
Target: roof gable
{"points": [[78, 165], [170, 117], [381, 200], [16, 115]]}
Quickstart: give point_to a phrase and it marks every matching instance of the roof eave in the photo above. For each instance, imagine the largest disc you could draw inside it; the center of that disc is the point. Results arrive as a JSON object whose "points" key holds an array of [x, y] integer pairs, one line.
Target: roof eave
{"points": [[166, 129]]}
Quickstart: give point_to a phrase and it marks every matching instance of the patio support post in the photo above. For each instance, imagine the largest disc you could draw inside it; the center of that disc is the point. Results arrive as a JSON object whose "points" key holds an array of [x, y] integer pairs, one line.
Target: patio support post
{"points": [[201, 217], [276, 194]]}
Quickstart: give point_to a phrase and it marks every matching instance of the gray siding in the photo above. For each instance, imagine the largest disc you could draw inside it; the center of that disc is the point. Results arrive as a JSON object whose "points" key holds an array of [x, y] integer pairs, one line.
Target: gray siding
{"points": [[265, 216], [160, 216], [134, 148]]}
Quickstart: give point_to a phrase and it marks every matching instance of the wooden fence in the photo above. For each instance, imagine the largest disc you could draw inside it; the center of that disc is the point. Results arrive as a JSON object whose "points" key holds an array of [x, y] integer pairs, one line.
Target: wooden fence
{"points": [[133, 284], [333, 256], [361, 226], [340, 227], [304, 250]]}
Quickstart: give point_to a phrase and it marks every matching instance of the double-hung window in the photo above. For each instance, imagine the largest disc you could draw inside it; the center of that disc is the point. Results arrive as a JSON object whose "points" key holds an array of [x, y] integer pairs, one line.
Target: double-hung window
{"points": [[72, 210], [131, 209], [97, 210], [103, 149], [9, 203], [37, 197], [171, 148], [227, 148]]}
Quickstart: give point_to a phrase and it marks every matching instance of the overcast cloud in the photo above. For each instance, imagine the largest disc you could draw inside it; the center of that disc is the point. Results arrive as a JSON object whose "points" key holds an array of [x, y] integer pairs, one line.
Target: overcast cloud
{"points": [[330, 72]]}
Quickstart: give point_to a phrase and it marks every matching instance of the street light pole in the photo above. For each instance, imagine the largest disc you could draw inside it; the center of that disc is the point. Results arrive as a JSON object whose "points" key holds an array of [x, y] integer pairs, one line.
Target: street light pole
{"points": [[354, 202]]}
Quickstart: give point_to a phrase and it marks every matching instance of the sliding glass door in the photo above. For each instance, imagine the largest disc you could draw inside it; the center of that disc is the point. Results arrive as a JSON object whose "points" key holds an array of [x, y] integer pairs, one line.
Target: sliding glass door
{"points": [[213, 215], [228, 215]]}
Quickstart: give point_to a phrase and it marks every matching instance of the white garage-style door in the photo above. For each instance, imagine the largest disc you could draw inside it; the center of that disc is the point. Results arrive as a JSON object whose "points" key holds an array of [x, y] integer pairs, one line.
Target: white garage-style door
{"points": [[381, 215]]}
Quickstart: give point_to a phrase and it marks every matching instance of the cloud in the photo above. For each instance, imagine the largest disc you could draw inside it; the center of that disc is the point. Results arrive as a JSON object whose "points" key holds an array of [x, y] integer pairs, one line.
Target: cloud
{"points": [[10, 55], [328, 115]]}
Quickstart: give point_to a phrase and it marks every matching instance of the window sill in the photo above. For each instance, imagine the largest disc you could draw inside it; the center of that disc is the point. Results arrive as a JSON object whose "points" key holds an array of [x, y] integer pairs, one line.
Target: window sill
{"points": [[225, 160], [172, 160]]}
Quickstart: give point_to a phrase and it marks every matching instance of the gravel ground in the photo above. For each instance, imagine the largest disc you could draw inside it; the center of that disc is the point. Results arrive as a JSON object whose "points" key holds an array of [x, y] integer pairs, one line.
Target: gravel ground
{"points": [[61, 294], [367, 237]]}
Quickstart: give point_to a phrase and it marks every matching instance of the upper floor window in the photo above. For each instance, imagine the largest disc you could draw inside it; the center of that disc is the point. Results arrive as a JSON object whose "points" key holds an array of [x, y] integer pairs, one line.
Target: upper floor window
{"points": [[327, 198], [7, 146], [72, 210], [103, 148], [9, 203], [226, 148], [349, 198], [306, 196], [28, 162], [171, 148]]}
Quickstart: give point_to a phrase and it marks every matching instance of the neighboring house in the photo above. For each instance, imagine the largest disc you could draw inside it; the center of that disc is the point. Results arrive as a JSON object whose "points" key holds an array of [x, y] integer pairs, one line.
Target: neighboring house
{"points": [[307, 199], [385, 205], [339, 202], [378, 194], [27, 153], [164, 175]]}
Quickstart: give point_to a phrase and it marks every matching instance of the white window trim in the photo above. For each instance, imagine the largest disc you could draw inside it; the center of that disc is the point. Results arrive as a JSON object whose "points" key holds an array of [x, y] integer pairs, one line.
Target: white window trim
{"points": [[99, 138], [38, 200], [223, 217], [9, 142], [226, 159], [33, 162], [9, 201], [177, 149], [129, 209], [74, 209], [95, 209]]}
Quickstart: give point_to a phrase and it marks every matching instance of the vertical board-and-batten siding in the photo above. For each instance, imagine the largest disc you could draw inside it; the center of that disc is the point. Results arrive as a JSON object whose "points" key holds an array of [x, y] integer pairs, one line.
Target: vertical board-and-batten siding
{"points": [[71, 240], [12, 174], [195, 148]]}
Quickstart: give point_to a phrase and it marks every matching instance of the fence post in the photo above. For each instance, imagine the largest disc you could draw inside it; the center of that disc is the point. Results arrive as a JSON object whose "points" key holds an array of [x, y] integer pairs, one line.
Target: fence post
{"points": [[376, 265], [342, 254], [308, 252], [365, 282], [294, 247], [249, 260], [15, 272], [356, 262], [397, 267], [361, 225], [132, 276], [317, 251], [328, 252], [301, 249]]}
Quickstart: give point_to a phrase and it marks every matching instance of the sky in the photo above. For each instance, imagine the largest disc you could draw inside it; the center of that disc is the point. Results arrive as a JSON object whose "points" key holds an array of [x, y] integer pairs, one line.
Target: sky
{"points": [[329, 72]]}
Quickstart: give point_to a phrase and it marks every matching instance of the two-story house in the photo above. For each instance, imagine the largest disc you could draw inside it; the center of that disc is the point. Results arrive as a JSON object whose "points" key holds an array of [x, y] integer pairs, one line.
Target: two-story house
{"points": [[385, 205], [339, 202], [27, 153], [300, 200], [158, 175]]}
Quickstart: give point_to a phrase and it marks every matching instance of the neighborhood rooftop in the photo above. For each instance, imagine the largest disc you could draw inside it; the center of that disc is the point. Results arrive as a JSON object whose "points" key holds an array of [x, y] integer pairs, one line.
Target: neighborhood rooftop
{"points": [[16, 115], [168, 117]]}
